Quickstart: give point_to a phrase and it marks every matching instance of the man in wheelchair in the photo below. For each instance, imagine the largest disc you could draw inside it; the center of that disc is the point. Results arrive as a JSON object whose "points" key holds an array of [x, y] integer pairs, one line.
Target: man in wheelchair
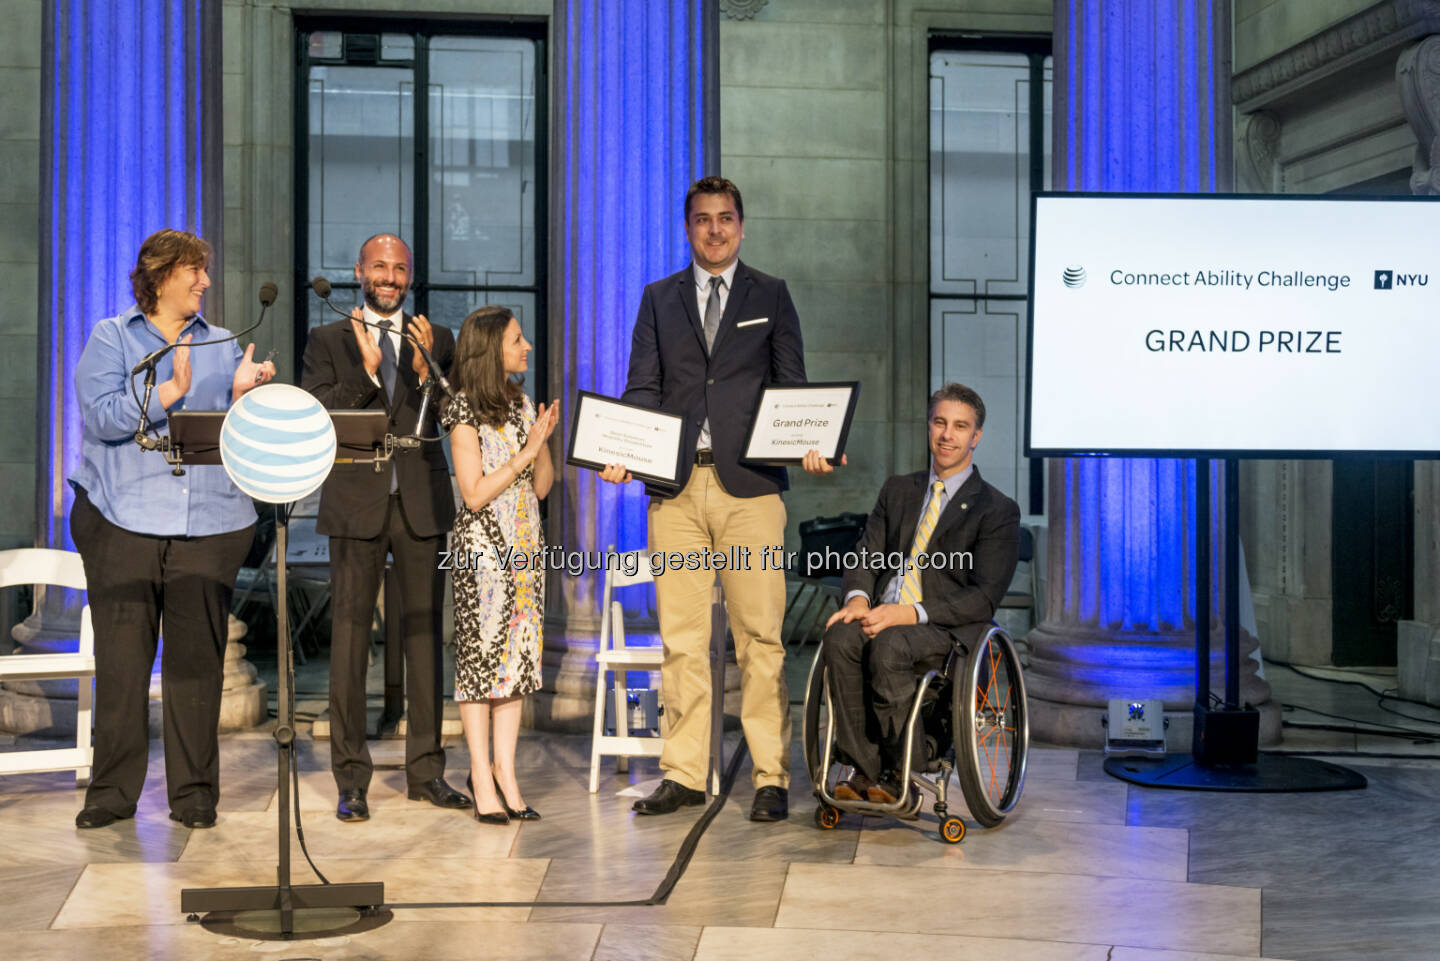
{"points": [[938, 552]]}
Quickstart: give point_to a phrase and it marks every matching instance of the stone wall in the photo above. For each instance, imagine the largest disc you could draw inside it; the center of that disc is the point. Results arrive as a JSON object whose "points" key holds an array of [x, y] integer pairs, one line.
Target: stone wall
{"points": [[824, 126], [20, 51], [1317, 110]]}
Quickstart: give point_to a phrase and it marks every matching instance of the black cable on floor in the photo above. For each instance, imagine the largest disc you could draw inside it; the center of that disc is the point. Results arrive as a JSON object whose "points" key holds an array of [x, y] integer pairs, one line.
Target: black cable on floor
{"points": [[1375, 725], [667, 883], [1381, 696], [1381, 754], [1405, 735]]}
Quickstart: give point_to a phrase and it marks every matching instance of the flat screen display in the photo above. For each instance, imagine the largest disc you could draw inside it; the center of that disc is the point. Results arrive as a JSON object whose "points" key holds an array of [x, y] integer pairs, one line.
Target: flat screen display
{"points": [[1233, 326]]}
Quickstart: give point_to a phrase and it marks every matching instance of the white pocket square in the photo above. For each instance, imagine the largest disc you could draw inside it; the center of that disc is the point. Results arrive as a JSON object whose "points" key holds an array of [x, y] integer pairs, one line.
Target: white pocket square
{"points": [[757, 320]]}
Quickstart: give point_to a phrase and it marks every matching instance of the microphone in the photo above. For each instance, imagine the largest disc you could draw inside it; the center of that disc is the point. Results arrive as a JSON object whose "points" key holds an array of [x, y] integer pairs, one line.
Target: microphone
{"points": [[323, 289], [268, 293]]}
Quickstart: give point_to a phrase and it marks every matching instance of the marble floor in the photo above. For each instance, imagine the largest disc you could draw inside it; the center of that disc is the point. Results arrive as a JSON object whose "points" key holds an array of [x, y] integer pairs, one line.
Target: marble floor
{"points": [[1087, 869]]}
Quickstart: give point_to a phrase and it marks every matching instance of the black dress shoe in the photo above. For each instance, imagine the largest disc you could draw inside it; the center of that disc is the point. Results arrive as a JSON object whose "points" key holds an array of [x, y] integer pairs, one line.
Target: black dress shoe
{"points": [[669, 797], [195, 817], [528, 814], [772, 803], [438, 793], [95, 817], [352, 806], [487, 817]]}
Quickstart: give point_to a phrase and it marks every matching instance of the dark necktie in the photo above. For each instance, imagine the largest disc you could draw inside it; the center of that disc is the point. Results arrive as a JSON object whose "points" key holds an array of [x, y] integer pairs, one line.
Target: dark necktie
{"points": [[712, 310], [388, 367], [388, 370]]}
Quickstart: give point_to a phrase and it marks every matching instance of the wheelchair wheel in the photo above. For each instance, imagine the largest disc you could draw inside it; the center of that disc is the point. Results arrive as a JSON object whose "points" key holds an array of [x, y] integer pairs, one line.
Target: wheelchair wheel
{"points": [[815, 717], [826, 817], [952, 831], [992, 728]]}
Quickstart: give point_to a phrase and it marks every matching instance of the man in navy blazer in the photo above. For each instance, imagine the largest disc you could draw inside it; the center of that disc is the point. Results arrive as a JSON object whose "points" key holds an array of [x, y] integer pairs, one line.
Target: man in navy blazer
{"points": [[899, 615], [707, 340]]}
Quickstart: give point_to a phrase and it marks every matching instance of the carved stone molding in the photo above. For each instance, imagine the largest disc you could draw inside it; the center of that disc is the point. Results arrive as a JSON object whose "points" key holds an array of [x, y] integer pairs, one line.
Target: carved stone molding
{"points": [[1262, 150], [741, 9], [1384, 26], [1418, 75]]}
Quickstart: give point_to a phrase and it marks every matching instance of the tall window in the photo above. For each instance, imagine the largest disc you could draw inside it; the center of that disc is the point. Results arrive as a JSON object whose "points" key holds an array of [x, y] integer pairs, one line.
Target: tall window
{"points": [[456, 172], [989, 151]]}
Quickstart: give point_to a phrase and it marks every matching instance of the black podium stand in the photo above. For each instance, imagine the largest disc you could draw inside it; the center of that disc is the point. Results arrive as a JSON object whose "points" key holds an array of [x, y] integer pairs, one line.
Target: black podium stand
{"points": [[1225, 748], [361, 438]]}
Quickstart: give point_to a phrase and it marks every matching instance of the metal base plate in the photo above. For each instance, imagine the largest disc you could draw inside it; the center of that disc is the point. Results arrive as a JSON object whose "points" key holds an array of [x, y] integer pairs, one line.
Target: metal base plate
{"points": [[317, 910], [1271, 773]]}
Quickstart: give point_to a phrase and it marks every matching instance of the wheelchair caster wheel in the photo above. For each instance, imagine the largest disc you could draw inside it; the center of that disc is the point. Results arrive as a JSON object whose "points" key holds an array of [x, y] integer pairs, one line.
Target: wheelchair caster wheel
{"points": [[952, 830], [826, 817], [192, 918]]}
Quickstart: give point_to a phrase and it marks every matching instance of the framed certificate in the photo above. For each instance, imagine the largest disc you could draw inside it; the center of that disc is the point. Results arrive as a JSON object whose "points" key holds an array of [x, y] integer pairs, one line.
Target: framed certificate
{"points": [[607, 431], [793, 419]]}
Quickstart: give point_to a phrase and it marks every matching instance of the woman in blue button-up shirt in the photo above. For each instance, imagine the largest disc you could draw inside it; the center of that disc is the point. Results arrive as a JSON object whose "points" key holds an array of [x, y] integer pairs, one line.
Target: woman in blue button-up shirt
{"points": [[154, 543]]}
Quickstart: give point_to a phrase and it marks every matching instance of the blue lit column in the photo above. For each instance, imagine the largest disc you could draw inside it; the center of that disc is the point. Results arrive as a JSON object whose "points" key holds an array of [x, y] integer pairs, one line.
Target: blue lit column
{"points": [[634, 123], [130, 143], [1141, 104]]}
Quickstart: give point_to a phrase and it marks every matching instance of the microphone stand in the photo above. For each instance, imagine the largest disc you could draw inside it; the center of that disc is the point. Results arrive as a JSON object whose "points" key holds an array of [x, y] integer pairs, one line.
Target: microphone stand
{"points": [[411, 441], [148, 362]]}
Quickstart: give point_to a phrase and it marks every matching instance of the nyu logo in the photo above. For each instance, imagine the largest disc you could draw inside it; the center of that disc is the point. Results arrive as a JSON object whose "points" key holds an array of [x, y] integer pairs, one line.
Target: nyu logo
{"points": [[1389, 280]]}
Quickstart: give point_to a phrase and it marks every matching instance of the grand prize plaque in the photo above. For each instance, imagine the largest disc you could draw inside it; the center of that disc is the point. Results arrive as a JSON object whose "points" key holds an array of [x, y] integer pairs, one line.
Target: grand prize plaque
{"points": [[791, 419]]}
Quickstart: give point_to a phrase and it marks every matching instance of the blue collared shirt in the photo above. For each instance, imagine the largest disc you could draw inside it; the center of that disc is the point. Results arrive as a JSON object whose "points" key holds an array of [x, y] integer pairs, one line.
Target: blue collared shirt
{"points": [[891, 594], [133, 488]]}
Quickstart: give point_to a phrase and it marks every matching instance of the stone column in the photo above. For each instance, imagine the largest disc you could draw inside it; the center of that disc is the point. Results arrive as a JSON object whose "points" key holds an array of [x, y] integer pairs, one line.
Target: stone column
{"points": [[1141, 104], [131, 129], [628, 136], [1418, 74]]}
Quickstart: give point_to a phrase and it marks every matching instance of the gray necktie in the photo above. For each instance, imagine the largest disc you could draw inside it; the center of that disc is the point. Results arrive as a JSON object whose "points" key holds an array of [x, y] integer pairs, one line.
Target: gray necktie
{"points": [[712, 311]]}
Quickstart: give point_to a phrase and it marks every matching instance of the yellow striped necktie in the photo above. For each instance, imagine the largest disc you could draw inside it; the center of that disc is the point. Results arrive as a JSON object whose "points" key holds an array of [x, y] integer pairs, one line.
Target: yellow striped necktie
{"points": [[910, 587]]}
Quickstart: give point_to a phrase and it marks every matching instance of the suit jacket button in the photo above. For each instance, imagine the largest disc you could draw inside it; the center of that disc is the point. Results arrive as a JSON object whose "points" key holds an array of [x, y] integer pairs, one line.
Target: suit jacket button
{"points": [[710, 381]]}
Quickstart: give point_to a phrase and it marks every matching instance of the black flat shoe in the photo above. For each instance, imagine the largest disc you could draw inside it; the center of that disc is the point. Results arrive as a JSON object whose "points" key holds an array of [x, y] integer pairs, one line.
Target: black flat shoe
{"points": [[772, 803], [488, 817], [95, 817], [438, 793], [670, 796], [195, 817], [352, 806], [528, 814]]}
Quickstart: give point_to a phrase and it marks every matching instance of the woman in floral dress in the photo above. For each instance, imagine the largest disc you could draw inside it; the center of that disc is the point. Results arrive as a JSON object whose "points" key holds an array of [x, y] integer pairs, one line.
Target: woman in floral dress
{"points": [[503, 467]]}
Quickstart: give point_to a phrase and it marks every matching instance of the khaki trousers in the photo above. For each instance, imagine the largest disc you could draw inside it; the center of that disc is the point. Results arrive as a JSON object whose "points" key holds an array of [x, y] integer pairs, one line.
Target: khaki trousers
{"points": [[704, 518]]}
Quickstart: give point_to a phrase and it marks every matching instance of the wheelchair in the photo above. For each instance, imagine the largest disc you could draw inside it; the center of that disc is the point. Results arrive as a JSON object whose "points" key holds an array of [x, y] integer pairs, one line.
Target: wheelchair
{"points": [[971, 716]]}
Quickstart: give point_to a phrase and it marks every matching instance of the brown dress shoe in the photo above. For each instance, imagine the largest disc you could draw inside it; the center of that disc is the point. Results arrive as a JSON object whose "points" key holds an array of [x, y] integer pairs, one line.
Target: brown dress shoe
{"points": [[886, 791], [855, 789]]}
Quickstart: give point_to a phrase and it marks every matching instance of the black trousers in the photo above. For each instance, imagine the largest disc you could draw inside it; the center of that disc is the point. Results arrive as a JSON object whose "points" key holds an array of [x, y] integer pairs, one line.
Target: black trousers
{"points": [[872, 687], [357, 566], [132, 579]]}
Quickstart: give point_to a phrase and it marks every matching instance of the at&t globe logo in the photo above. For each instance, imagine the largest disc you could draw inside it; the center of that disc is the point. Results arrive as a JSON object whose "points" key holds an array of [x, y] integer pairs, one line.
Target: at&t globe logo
{"points": [[1074, 277]]}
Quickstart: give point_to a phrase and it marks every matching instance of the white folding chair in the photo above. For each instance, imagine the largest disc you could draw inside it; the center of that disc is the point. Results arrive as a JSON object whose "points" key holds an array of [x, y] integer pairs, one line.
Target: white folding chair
{"points": [[63, 569], [614, 656]]}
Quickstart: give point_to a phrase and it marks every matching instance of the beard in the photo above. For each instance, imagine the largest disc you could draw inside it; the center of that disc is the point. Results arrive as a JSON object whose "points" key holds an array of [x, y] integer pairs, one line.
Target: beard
{"points": [[383, 300]]}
